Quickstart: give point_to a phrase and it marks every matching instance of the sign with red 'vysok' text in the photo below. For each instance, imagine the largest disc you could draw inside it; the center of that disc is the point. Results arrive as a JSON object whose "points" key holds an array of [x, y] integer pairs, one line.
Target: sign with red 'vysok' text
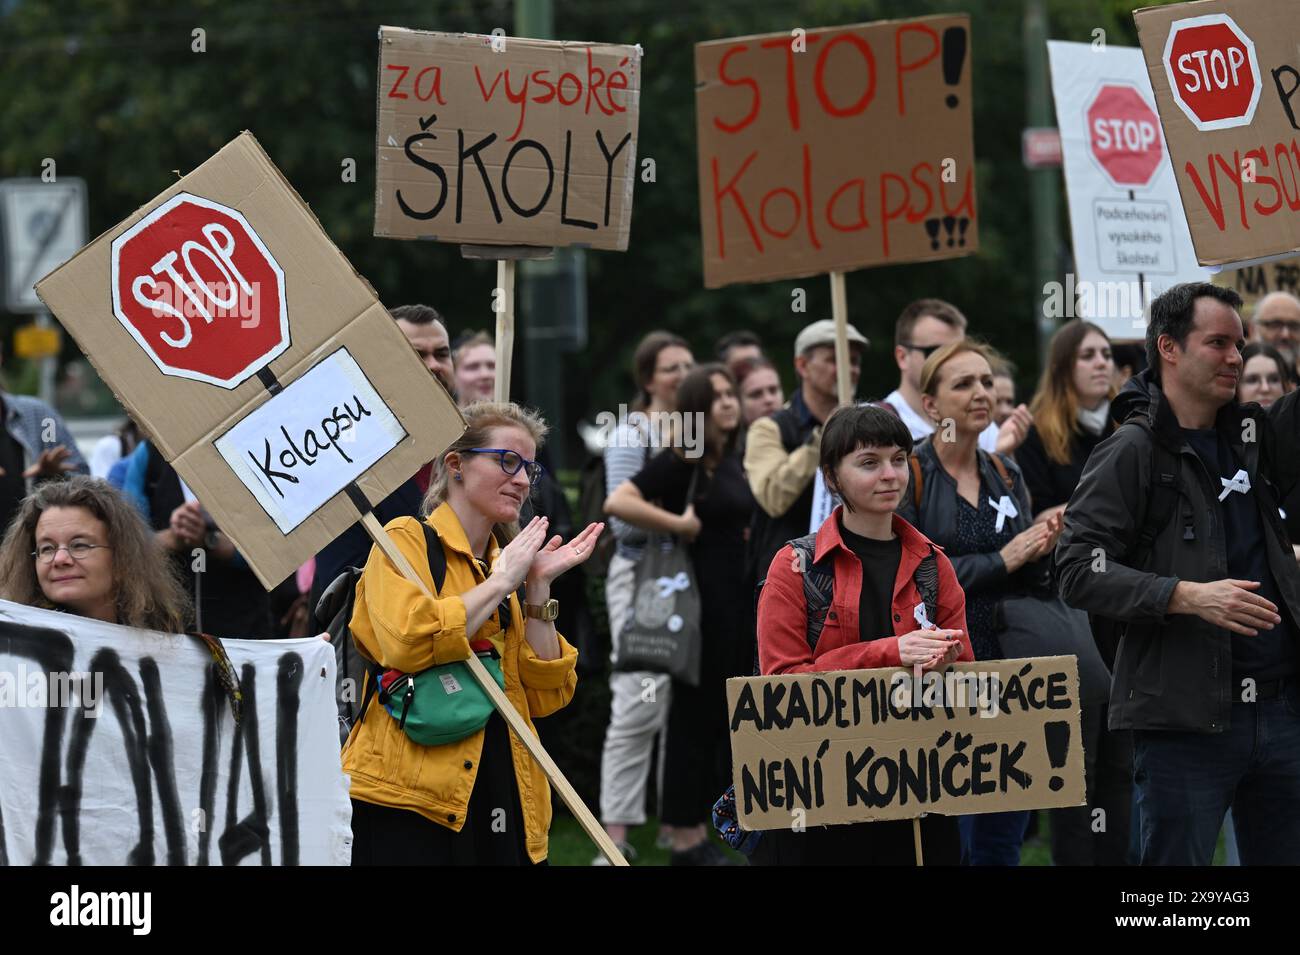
{"points": [[200, 292]]}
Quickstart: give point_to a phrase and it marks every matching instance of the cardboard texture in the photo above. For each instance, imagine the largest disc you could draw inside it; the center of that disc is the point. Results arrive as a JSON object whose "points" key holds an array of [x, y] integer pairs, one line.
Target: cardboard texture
{"points": [[862, 745], [1224, 73], [1131, 241], [1253, 282], [505, 141], [835, 148], [329, 306]]}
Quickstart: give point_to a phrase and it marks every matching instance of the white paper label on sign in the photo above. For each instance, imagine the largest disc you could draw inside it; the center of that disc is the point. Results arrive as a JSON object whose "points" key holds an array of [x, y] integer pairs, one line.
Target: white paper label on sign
{"points": [[307, 443]]}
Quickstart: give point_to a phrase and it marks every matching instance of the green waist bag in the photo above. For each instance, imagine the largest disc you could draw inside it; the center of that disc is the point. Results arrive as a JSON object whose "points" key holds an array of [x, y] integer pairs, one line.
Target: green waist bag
{"points": [[440, 705]]}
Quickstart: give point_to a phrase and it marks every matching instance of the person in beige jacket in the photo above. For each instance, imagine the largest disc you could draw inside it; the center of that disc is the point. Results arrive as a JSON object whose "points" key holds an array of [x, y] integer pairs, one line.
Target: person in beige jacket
{"points": [[782, 450]]}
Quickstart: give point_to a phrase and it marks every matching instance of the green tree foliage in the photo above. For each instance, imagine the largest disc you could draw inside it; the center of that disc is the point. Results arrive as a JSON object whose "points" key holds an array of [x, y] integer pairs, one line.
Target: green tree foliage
{"points": [[115, 93]]}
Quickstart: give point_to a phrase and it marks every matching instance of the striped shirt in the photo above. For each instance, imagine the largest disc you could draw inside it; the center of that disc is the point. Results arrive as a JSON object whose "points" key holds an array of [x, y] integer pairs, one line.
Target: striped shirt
{"points": [[626, 453]]}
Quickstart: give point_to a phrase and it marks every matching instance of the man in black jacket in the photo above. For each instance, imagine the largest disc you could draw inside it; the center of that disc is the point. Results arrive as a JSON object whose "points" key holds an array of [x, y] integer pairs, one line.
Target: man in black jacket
{"points": [[1174, 532]]}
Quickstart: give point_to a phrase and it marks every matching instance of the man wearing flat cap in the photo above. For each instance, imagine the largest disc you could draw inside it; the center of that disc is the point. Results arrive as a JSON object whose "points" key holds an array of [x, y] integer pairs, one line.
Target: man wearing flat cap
{"points": [[782, 451]]}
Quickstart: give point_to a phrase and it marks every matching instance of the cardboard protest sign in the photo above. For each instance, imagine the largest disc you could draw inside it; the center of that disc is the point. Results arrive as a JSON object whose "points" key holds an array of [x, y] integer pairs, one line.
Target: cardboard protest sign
{"points": [[505, 141], [1253, 282], [257, 360], [1225, 75], [866, 745], [120, 749], [1131, 240], [833, 149]]}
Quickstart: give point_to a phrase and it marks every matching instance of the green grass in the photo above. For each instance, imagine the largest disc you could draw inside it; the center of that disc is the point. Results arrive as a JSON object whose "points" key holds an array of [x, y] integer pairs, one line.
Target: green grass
{"points": [[570, 845]]}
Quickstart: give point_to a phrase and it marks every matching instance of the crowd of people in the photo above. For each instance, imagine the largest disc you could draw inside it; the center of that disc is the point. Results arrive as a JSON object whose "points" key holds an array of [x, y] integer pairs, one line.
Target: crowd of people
{"points": [[1175, 458]]}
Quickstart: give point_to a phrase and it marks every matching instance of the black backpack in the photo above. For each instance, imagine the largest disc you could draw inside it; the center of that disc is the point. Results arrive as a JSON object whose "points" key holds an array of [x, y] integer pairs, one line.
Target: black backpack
{"points": [[336, 605]]}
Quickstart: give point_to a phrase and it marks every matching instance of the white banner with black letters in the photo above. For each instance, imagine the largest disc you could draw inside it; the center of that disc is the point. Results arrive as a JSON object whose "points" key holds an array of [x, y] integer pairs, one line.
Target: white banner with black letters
{"points": [[119, 746]]}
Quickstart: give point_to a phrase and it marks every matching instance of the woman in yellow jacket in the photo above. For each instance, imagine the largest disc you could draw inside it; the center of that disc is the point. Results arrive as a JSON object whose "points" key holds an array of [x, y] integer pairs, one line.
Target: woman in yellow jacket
{"points": [[482, 800]]}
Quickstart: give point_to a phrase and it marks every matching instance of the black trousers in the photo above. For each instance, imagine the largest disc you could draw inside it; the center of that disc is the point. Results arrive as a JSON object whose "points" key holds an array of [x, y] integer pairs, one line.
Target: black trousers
{"points": [[1080, 835], [493, 833]]}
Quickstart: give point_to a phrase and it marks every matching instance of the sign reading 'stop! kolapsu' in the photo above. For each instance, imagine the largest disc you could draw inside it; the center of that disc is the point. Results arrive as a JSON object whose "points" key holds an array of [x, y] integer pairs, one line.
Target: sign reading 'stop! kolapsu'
{"points": [[834, 149], [261, 364], [498, 140]]}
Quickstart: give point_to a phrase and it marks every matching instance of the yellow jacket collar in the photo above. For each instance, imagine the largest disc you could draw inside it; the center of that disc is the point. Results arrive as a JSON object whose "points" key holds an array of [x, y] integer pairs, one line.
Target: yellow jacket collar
{"points": [[452, 533]]}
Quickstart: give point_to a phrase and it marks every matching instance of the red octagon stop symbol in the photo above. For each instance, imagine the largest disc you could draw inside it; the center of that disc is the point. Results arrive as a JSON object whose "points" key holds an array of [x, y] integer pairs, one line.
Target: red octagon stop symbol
{"points": [[197, 288], [1213, 71], [1124, 135]]}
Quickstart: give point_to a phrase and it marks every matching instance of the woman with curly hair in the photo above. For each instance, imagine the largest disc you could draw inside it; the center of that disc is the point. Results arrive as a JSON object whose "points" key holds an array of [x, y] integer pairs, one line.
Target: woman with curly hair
{"points": [[80, 546]]}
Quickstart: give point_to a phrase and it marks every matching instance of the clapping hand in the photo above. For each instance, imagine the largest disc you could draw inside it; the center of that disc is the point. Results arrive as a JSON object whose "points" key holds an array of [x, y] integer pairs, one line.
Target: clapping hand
{"points": [[51, 463], [531, 556]]}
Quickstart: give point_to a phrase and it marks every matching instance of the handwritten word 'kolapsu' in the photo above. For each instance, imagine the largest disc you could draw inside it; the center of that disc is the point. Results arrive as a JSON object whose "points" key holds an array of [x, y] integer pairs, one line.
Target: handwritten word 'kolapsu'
{"points": [[531, 150], [307, 450], [851, 701], [147, 738], [904, 193]]}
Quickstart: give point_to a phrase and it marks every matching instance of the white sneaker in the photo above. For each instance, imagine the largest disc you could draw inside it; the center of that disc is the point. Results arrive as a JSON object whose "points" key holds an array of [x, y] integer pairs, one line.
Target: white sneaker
{"points": [[624, 847]]}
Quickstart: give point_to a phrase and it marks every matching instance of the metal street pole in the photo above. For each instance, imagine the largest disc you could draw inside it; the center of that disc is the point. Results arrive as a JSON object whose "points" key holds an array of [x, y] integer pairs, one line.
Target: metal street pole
{"points": [[1044, 193]]}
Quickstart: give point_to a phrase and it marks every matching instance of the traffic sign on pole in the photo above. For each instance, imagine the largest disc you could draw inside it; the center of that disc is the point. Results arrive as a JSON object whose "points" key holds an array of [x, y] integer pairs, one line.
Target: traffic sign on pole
{"points": [[43, 224]]}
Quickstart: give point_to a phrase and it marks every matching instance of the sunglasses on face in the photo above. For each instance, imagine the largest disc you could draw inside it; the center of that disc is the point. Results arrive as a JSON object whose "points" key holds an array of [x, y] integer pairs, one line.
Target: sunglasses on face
{"points": [[925, 350], [511, 462]]}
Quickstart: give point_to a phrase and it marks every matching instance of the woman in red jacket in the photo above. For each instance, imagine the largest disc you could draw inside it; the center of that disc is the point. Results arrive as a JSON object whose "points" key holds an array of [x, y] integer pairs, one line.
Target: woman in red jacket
{"points": [[872, 621]]}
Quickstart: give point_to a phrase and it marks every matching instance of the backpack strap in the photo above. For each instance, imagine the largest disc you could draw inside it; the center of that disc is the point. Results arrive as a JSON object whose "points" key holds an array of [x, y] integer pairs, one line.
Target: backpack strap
{"points": [[1001, 467], [818, 587], [1165, 493], [915, 464], [437, 557]]}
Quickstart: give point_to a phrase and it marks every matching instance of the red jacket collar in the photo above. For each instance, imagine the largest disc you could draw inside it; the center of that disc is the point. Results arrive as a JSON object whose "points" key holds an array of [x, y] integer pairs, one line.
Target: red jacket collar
{"points": [[829, 537]]}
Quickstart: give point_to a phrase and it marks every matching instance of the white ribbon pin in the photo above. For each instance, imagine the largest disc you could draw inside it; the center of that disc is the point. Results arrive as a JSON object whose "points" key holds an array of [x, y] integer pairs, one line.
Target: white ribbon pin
{"points": [[670, 585], [1238, 482], [1005, 508], [922, 618]]}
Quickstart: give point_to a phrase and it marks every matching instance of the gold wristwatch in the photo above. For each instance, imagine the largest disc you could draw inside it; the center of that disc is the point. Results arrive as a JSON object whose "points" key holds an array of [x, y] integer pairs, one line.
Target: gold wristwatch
{"points": [[547, 611]]}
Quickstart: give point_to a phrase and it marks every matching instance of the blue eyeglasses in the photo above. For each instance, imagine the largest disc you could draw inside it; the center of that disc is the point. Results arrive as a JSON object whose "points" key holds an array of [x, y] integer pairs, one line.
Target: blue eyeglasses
{"points": [[511, 462]]}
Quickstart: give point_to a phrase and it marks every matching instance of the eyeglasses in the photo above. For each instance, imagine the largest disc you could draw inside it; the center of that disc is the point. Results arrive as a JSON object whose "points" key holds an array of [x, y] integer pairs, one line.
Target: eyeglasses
{"points": [[511, 462], [926, 350], [77, 550], [1277, 325]]}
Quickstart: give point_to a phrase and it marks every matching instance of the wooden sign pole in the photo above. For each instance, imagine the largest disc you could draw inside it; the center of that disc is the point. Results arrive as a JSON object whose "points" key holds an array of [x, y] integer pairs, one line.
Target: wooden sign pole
{"points": [[840, 312], [506, 709], [505, 339], [503, 301]]}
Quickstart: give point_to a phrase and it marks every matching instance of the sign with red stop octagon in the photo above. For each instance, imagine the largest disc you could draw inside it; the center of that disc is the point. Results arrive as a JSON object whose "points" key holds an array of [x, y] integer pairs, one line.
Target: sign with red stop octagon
{"points": [[1213, 71], [1124, 135], [199, 291]]}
